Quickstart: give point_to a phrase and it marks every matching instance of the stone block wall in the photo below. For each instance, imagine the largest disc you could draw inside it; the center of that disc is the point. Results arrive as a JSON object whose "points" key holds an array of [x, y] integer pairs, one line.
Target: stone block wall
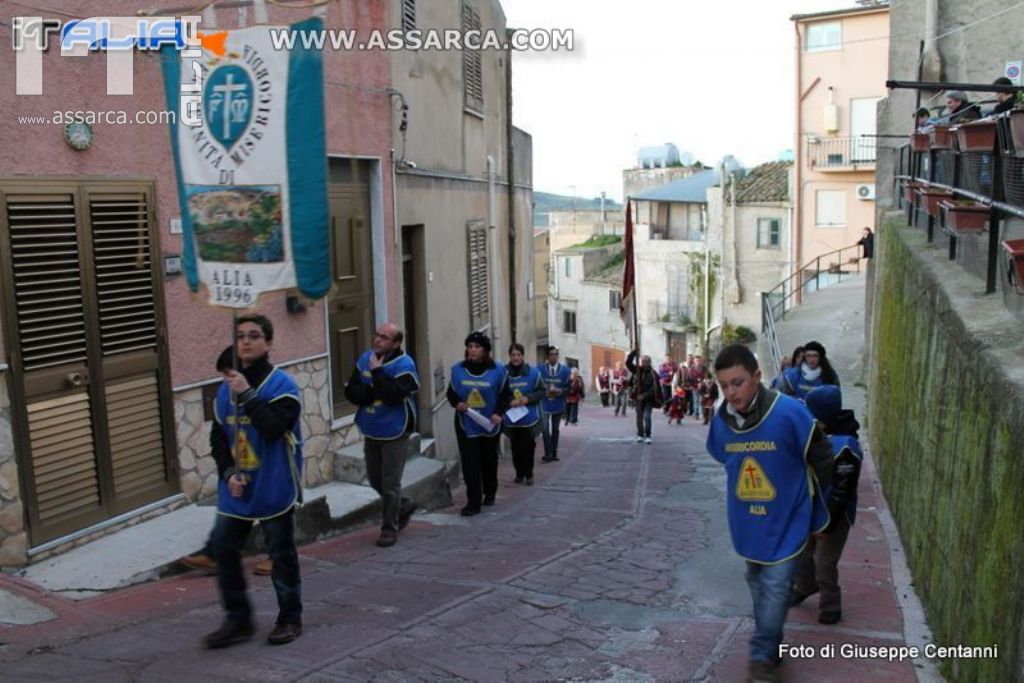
{"points": [[947, 423], [13, 534]]}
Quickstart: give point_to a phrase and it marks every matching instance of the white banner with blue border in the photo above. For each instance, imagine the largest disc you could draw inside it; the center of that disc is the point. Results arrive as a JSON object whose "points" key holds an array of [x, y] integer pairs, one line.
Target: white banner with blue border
{"points": [[252, 176]]}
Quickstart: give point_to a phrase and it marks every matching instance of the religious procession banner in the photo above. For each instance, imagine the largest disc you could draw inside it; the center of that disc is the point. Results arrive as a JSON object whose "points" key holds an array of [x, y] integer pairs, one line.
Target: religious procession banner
{"points": [[251, 164]]}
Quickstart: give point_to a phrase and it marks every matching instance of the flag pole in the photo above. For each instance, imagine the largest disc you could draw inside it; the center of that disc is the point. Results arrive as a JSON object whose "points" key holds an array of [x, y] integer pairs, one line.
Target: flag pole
{"points": [[235, 367]]}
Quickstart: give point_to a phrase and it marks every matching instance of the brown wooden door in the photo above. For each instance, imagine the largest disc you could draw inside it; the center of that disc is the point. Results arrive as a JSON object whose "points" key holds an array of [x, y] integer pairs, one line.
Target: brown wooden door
{"points": [[677, 346], [350, 303], [89, 374]]}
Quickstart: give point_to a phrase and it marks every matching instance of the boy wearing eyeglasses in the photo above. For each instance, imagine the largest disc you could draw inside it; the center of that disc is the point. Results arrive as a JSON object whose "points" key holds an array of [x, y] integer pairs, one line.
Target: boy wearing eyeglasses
{"points": [[257, 444]]}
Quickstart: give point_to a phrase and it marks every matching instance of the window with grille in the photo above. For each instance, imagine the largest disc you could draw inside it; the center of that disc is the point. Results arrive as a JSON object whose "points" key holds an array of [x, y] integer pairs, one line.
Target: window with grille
{"points": [[479, 308], [768, 233], [614, 299], [408, 15], [472, 62], [569, 322]]}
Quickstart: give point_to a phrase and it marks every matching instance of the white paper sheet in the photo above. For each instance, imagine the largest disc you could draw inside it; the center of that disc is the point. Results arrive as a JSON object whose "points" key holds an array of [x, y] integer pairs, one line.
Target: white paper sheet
{"points": [[484, 422], [516, 414]]}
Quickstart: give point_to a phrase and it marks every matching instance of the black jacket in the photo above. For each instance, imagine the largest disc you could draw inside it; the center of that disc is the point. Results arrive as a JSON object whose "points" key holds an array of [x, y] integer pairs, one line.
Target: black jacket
{"points": [[645, 385], [272, 420], [391, 391]]}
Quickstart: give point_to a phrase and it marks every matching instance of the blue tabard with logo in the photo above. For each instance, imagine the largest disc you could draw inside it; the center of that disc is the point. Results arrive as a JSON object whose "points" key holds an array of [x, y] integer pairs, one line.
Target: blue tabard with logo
{"points": [[381, 421], [852, 447], [555, 378], [526, 382], [274, 468], [794, 379], [770, 487], [481, 393]]}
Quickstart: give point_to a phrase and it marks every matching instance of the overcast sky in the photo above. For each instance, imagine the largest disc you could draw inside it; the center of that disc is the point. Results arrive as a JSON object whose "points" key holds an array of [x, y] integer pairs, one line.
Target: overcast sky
{"points": [[715, 77]]}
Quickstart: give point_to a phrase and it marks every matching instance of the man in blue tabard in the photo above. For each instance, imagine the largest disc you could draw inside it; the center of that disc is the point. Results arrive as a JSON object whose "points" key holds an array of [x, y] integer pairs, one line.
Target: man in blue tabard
{"points": [[556, 380], [775, 457], [383, 385], [257, 445]]}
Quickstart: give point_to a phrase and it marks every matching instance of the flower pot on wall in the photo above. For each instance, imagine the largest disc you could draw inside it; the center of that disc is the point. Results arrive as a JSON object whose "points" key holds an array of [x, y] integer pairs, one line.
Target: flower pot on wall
{"points": [[978, 136], [964, 217], [941, 137], [1015, 264], [1017, 130], [920, 142], [911, 190], [930, 198]]}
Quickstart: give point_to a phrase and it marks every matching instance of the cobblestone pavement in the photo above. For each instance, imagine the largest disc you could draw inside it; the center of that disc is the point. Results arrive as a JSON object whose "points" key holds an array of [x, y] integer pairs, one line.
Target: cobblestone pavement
{"points": [[615, 566]]}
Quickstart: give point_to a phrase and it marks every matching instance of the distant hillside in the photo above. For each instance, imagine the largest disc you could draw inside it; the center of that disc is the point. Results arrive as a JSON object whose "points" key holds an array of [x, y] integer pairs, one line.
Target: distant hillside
{"points": [[545, 202]]}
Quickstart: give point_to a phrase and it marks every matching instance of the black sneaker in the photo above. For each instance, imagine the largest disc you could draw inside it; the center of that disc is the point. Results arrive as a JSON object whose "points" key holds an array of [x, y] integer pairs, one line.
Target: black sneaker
{"points": [[387, 538], [529, 481], [406, 514], [519, 480], [230, 633], [830, 616], [488, 500], [470, 510], [546, 458]]}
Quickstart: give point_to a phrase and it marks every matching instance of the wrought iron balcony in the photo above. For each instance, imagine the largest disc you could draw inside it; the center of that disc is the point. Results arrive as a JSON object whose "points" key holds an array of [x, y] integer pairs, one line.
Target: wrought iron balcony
{"points": [[841, 154], [671, 316]]}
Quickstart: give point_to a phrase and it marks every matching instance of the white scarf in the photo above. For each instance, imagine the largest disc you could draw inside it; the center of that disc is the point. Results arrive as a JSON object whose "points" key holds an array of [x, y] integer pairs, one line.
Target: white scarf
{"points": [[808, 374], [740, 420]]}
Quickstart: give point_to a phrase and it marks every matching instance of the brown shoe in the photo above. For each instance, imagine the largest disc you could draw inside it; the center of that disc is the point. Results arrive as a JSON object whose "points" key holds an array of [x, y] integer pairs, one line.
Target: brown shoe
{"points": [[230, 633], [264, 568], [200, 561], [284, 633]]}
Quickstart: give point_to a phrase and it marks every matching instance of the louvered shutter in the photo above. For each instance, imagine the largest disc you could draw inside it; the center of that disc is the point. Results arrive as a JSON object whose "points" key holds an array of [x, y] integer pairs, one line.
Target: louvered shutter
{"points": [[472, 62], [122, 256], [50, 325], [479, 307]]}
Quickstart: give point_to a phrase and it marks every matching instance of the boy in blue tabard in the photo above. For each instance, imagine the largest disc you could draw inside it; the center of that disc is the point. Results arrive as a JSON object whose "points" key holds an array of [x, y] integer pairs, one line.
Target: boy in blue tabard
{"points": [[812, 372], [556, 379], [818, 566], [479, 384], [774, 457], [383, 384], [257, 445]]}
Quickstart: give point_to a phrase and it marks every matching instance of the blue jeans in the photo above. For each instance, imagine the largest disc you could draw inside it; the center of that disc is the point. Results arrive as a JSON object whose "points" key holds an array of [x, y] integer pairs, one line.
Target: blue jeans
{"points": [[550, 424], [643, 418], [230, 535], [695, 402], [771, 587]]}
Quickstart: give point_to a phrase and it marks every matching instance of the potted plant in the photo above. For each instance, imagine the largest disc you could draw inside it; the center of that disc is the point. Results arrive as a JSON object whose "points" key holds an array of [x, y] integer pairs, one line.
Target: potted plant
{"points": [[911, 188], [977, 136], [1015, 264], [941, 137], [920, 142], [931, 196], [964, 216]]}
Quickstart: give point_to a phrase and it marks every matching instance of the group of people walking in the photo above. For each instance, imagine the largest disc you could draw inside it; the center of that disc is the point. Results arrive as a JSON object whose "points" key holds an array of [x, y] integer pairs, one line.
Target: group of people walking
{"points": [[790, 453]]}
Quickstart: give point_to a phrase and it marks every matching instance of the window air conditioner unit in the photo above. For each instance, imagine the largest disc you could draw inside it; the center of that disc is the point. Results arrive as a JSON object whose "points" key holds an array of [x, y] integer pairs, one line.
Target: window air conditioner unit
{"points": [[866, 191]]}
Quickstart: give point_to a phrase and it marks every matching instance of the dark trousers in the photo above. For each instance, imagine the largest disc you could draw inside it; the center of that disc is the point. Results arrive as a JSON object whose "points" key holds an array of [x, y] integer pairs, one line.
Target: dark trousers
{"points": [[818, 567], [572, 413], [550, 423], [643, 418], [385, 464], [524, 444], [666, 394], [230, 534], [479, 458], [604, 399]]}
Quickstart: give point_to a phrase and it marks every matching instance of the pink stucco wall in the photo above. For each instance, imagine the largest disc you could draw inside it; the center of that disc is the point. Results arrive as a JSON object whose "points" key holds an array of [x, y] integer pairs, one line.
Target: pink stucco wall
{"points": [[358, 124]]}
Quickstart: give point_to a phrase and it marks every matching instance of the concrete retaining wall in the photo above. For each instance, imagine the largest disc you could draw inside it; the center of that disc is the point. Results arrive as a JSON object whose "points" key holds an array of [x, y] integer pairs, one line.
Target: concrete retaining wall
{"points": [[947, 424]]}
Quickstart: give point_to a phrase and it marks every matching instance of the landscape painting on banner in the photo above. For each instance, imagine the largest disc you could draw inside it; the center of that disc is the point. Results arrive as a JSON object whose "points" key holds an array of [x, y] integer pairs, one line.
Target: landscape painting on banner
{"points": [[252, 175]]}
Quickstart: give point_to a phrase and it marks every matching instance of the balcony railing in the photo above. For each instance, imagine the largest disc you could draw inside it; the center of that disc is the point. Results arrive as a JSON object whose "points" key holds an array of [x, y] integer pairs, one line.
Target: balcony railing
{"points": [[664, 232], [673, 316], [841, 154], [945, 172]]}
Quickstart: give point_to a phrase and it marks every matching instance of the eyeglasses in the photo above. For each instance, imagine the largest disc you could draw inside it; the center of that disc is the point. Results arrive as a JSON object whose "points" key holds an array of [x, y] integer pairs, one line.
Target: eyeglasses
{"points": [[251, 336]]}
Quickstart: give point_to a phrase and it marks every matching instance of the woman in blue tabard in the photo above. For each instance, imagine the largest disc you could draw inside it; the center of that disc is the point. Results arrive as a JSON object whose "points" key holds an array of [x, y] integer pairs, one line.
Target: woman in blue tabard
{"points": [[527, 391], [812, 372], [257, 445], [480, 385]]}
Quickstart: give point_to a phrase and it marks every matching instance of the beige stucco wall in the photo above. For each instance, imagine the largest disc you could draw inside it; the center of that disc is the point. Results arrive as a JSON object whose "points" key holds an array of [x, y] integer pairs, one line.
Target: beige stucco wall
{"points": [[857, 70], [541, 278]]}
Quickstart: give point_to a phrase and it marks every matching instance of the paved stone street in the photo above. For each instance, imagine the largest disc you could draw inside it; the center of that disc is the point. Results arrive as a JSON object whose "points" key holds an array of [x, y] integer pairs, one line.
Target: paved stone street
{"points": [[616, 565]]}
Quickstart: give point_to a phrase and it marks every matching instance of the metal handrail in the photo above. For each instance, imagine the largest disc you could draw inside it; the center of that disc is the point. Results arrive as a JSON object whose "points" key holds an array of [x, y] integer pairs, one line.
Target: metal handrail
{"points": [[768, 331], [778, 297]]}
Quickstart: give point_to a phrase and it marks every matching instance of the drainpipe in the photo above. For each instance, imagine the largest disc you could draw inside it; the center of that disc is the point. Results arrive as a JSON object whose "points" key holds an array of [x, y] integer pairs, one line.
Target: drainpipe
{"points": [[513, 300], [931, 60], [735, 241], [798, 205], [493, 264]]}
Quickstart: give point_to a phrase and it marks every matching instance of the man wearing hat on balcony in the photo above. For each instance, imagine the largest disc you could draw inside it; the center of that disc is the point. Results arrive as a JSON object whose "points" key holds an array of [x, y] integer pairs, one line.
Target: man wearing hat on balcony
{"points": [[1007, 99]]}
